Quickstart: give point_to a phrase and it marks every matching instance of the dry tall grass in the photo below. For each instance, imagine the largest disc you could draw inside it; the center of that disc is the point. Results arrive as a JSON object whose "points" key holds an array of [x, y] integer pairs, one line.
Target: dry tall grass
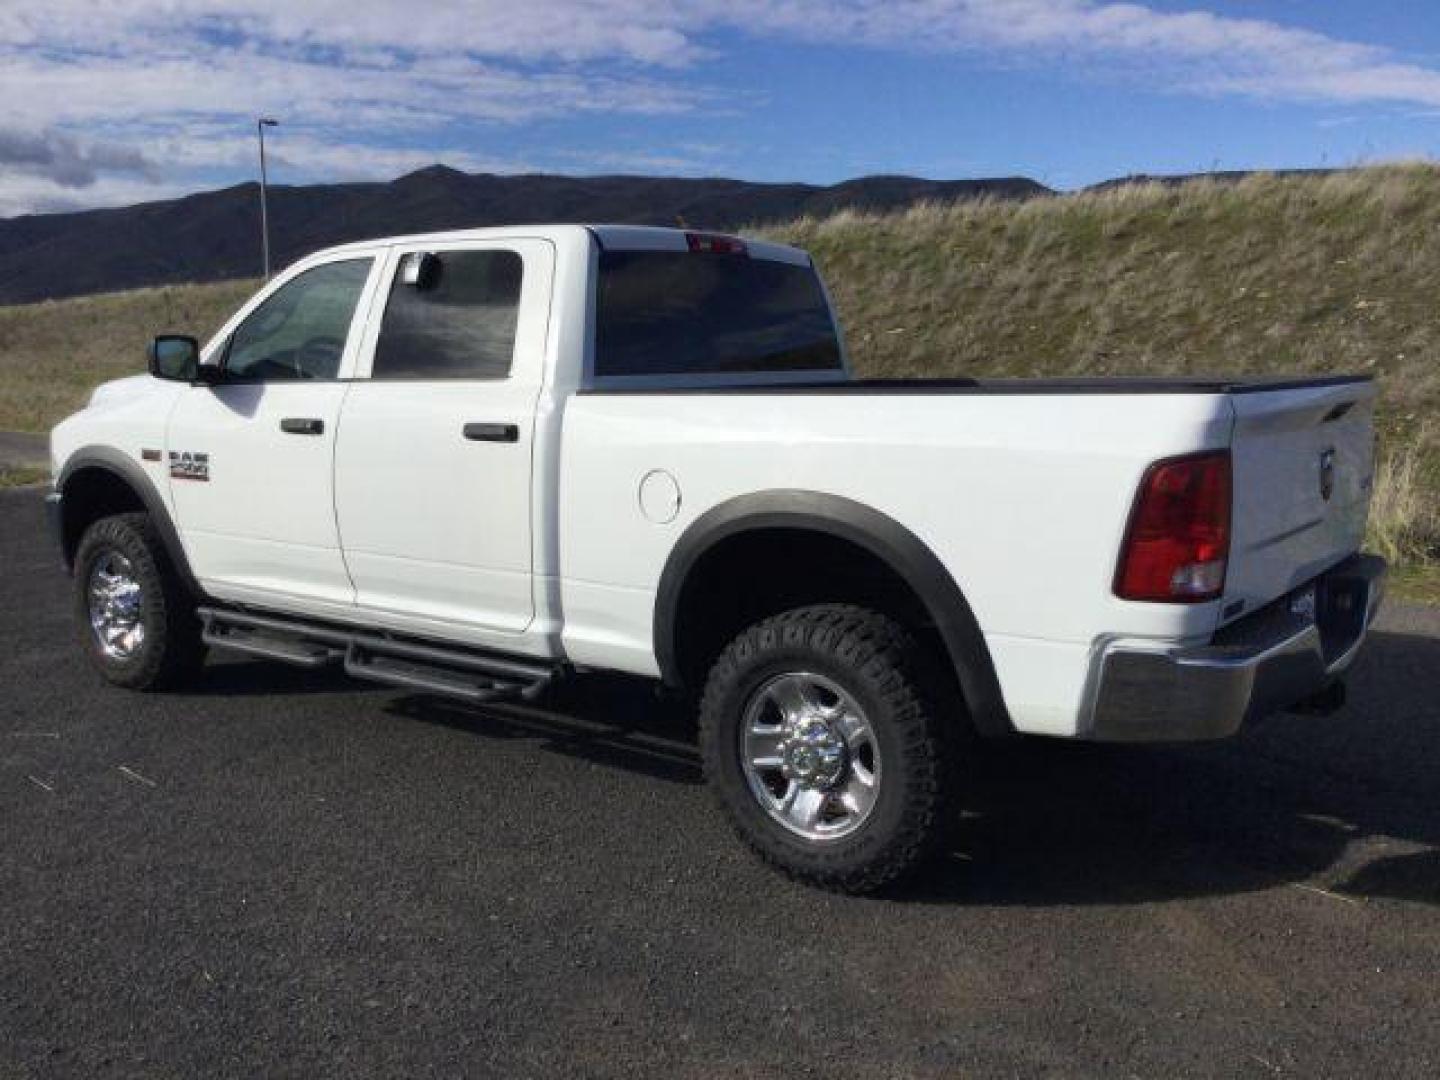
{"points": [[1404, 516], [53, 354], [1274, 274]]}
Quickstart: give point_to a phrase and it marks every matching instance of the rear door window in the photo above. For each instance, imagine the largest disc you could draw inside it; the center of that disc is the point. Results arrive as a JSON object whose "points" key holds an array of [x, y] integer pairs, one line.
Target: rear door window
{"points": [[688, 313], [451, 316]]}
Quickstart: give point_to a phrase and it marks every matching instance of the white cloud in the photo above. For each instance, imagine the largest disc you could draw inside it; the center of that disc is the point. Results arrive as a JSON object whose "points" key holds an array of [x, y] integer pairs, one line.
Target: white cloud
{"points": [[67, 162], [217, 147], [29, 194], [107, 89], [184, 81], [366, 86], [1195, 51]]}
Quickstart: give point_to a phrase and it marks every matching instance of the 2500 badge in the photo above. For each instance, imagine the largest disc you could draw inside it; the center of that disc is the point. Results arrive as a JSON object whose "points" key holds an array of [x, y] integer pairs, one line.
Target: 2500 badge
{"points": [[189, 466]]}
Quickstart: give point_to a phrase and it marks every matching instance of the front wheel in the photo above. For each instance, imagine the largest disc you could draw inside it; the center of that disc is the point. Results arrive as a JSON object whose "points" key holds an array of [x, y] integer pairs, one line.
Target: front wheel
{"points": [[821, 739], [136, 619]]}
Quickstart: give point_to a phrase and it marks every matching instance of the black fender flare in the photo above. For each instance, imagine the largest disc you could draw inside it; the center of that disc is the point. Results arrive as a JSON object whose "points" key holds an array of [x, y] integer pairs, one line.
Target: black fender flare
{"points": [[867, 528], [123, 468]]}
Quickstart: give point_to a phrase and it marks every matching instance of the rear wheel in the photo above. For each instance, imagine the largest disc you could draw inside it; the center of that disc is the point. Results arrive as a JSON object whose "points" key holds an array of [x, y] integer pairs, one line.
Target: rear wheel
{"points": [[137, 620], [822, 741]]}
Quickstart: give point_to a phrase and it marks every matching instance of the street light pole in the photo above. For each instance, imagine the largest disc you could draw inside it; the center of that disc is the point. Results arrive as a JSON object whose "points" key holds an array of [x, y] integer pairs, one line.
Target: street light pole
{"points": [[260, 126]]}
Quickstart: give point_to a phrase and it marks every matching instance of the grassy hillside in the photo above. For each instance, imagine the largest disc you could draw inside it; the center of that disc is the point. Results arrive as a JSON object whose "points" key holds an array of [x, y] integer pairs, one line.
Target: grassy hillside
{"points": [[1294, 274], [52, 354]]}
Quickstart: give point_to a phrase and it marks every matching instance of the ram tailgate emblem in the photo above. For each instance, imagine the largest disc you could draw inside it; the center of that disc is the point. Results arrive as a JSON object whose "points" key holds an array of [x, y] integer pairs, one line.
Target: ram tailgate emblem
{"points": [[189, 466]]}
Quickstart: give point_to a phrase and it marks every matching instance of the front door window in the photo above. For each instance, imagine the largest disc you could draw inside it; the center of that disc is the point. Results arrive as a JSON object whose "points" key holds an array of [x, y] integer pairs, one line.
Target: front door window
{"points": [[299, 331]]}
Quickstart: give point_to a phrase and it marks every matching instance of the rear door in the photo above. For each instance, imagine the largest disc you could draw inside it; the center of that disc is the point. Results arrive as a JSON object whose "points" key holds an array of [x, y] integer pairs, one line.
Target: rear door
{"points": [[1303, 473], [251, 458], [432, 469]]}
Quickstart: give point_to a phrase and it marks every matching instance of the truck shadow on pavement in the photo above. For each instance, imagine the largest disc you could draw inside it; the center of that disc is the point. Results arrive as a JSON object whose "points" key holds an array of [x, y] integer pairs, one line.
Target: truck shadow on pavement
{"points": [[265, 678], [613, 721], [1347, 804]]}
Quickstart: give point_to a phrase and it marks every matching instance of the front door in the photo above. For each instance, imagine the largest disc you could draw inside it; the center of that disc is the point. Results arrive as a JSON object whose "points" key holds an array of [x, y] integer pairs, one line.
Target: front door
{"points": [[432, 466], [251, 458]]}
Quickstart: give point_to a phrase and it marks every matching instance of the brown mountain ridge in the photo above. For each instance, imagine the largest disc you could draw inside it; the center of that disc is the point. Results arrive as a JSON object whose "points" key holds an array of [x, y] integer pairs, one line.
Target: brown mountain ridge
{"points": [[214, 235]]}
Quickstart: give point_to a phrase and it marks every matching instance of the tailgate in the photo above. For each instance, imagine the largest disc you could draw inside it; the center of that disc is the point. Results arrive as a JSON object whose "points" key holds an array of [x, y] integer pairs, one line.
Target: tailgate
{"points": [[1303, 471]]}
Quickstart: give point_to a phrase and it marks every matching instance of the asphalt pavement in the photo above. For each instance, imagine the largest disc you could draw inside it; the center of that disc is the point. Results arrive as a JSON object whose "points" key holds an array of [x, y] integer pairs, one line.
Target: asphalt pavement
{"points": [[282, 873]]}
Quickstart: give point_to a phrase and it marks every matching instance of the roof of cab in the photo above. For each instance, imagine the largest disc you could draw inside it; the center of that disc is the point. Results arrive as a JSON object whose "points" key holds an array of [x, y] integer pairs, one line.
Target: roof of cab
{"points": [[610, 237]]}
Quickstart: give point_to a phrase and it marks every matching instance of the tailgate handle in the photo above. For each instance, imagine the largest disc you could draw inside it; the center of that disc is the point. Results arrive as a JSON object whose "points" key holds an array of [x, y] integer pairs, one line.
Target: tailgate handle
{"points": [[492, 432], [302, 425]]}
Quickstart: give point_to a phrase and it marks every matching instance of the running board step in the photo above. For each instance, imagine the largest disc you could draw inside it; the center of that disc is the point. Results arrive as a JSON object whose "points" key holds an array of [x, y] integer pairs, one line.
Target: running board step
{"points": [[470, 675], [452, 672], [431, 680], [269, 639]]}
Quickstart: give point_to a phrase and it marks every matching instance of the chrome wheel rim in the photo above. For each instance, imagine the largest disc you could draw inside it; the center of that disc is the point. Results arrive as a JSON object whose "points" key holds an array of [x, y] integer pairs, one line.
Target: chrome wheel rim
{"points": [[114, 597], [810, 756]]}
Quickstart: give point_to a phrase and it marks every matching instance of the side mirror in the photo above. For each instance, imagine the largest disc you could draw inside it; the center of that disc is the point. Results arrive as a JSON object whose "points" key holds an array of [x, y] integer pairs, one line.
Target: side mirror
{"points": [[209, 374], [420, 270], [177, 357]]}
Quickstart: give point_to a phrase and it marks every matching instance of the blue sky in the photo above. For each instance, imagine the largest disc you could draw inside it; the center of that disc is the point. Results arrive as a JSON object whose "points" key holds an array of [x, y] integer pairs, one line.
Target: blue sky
{"points": [[107, 103]]}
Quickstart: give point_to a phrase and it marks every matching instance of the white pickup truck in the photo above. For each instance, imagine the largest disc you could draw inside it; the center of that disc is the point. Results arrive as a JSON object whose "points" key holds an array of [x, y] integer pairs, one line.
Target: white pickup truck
{"points": [[472, 463]]}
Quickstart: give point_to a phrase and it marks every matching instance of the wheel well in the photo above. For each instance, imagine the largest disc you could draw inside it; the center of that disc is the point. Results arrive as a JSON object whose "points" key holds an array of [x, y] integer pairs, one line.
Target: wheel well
{"points": [[748, 576], [93, 493]]}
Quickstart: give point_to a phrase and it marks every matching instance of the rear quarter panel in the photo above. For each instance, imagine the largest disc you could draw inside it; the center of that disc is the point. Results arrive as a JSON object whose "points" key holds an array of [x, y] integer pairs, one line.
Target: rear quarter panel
{"points": [[1023, 497]]}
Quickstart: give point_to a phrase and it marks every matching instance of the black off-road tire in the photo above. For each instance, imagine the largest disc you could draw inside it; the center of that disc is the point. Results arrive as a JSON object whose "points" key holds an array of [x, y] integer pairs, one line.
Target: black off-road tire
{"points": [[881, 666], [171, 652]]}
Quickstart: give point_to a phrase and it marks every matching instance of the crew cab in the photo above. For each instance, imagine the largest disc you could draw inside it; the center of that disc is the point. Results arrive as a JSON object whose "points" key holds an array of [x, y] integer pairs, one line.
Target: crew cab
{"points": [[474, 463]]}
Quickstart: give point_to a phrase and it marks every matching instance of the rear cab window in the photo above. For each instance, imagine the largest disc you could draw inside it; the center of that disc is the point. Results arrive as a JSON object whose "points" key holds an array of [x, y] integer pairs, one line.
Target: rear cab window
{"points": [[711, 317]]}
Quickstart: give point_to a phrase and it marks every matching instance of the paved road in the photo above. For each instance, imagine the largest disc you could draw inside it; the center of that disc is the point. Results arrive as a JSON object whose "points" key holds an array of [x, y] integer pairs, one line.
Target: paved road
{"points": [[283, 874], [19, 449]]}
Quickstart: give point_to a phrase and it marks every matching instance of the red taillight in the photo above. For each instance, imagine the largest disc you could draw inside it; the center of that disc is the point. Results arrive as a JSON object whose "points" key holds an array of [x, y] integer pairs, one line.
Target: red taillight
{"points": [[714, 244], [1179, 536]]}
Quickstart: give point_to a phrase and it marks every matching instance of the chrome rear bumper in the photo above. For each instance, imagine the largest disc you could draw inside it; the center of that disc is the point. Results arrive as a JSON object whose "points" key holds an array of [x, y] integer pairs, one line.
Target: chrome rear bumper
{"points": [[1261, 664]]}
